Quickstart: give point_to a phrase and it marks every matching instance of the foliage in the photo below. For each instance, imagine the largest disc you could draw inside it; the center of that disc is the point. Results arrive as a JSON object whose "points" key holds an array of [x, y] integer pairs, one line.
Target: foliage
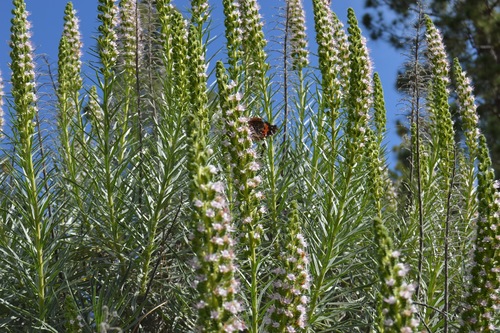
{"points": [[470, 33], [156, 209]]}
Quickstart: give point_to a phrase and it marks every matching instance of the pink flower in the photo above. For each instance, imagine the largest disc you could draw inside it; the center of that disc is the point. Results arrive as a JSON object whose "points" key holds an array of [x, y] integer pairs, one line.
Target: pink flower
{"points": [[210, 213], [234, 306]]}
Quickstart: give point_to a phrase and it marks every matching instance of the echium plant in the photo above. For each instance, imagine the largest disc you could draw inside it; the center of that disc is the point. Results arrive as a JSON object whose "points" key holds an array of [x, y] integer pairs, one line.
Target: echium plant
{"points": [[173, 39], [379, 113], [70, 121], [482, 308], [107, 40], [298, 37], [299, 54], [180, 53], [253, 45], [23, 75], [395, 311], [438, 107], [164, 10], [243, 168], [69, 85], [69, 67], [213, 243], [69, 63], [359, 99], [212, 239], [33, 202], [376, 161], [110, 152], [470, 129], [324, 170], [234, 37], [436, 182], [130, 43], [287, 311], [467, 108], [130, 37], [330, 38]]}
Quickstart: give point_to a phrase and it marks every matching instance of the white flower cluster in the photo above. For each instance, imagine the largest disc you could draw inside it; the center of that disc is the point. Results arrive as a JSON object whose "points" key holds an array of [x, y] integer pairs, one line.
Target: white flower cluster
{"points": [[289, 297], [470, 118], [130, 33], [70, 53], [437, 53], [72, 33], [330, 44], [213, 237], [298, 38], [233, 16], [22, 65], [107, 41], [200, 10], [400, 297], [242, 159], [255, 42]]}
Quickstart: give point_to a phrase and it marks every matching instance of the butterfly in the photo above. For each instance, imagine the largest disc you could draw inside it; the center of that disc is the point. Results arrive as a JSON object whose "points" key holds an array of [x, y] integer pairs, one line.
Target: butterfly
{"points": [[261, 129]]}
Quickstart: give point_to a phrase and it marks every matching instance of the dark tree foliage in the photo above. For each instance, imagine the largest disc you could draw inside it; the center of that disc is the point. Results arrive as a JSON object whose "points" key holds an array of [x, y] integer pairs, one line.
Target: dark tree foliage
{"points": [[471, 32]]}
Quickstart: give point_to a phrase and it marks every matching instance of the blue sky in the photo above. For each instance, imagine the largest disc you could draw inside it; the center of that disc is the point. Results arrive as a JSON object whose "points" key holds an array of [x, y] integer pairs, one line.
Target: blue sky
{"points": [[46, 17]]}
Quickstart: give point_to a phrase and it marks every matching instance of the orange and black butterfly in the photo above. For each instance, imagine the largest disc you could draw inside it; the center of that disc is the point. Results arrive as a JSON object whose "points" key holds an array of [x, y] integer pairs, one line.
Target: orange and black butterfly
{"points": [[261, 129]]}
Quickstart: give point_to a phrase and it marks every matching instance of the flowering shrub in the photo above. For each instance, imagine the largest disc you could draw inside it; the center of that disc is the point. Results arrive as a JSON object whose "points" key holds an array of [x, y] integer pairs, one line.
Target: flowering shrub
{"points": [[257, 199]]}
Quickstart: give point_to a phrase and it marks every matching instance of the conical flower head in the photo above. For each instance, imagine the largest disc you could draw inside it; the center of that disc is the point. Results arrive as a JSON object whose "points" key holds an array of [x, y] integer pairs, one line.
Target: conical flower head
{"points": [[23, 69]]}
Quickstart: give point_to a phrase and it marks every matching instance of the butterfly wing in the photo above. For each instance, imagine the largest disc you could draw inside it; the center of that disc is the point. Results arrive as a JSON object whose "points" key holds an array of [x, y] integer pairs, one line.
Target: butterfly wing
{"points": [[261, 129], [256, 127]]}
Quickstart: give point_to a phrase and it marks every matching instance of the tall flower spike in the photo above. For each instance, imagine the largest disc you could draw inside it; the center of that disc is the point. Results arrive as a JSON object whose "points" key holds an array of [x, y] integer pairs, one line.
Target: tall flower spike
{"points": [[359, 100], [342, 43], [395, 311], [197, 85], [130, 36], [23, 71], [214, 264], [245, 180], [376, 170], [298, 37], [377, 160], [333, 56], [180, 56], [379, 108], [69, 63], [107, 40], [241, 157], [467, 108], [289, 297], [212, 230], [164, 11], [443, 132], [35, 225], [69, 80], [197, 53], [68, 90], [254, 43], [234, 37], [482, 309]]}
